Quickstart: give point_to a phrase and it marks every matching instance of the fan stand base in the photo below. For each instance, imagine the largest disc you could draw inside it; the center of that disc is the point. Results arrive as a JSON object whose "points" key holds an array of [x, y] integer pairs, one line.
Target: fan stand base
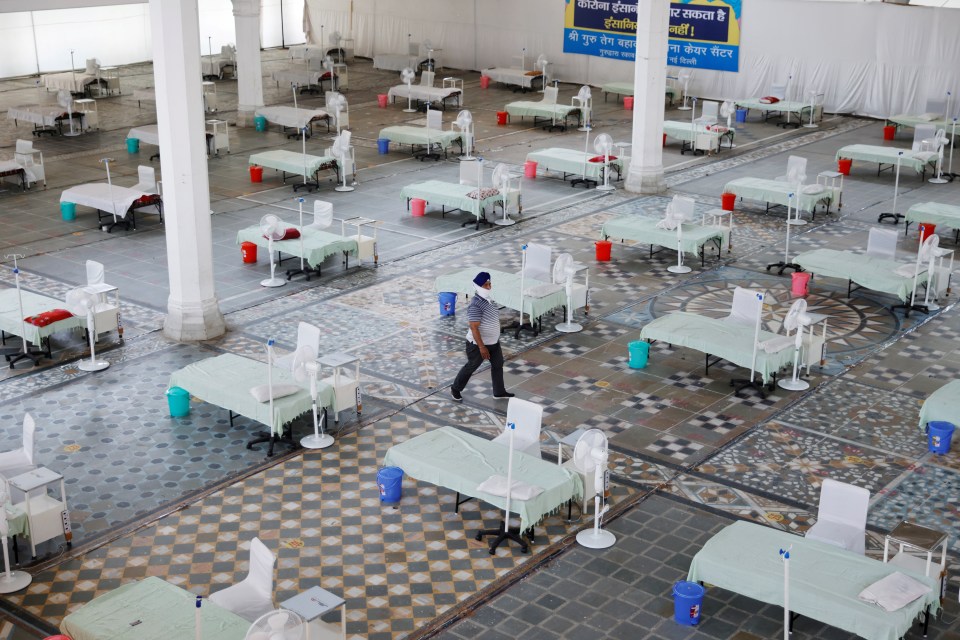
{"points": [[343, 188], [273, 282], [684, 108], [606, 187], [783, 266], [897, 217], [569, 327], [811, 126], [18, 580], [317, 441], [503, 534], [679, 268], [71, 134], [794, 385], [409, 110], [938, 181], [592, 539], [504, 222], [97, 365]]}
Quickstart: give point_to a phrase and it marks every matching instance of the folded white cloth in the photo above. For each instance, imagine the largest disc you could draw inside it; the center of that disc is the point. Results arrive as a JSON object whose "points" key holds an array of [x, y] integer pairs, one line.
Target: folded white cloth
{"points": [[907, 270], [773, 345], [262, 392], [893, 592], [497, 486], [542, 290]]}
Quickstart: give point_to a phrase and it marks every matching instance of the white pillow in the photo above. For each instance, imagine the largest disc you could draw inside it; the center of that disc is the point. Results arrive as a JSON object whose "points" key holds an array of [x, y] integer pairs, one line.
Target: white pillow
{"points": [[929, 117], [262, 393], [496, 485], [813, 189]]}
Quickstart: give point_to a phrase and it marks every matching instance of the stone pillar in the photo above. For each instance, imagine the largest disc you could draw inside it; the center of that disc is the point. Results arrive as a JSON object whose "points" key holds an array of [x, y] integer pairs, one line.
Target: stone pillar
{"points": [[645, 174], [192, 309], [246, 17]]}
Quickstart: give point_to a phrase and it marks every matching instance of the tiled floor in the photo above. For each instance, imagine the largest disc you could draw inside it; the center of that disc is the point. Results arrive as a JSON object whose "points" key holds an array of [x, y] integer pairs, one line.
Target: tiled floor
{"points": [[180, 498]]}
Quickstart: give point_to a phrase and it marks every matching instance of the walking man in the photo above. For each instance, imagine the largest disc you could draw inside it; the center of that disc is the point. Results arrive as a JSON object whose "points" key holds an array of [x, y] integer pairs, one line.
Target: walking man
{"points": [[483, 340]]}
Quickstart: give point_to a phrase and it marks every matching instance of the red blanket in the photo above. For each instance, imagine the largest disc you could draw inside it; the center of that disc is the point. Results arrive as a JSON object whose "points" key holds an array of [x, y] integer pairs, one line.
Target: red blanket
{"points": [[48, 317]]}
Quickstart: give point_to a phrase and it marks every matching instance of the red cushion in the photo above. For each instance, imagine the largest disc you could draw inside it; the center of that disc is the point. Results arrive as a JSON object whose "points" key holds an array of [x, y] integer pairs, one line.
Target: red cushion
{"points": [[769, 100], [48, 317], [600, 158], [291, 234]]}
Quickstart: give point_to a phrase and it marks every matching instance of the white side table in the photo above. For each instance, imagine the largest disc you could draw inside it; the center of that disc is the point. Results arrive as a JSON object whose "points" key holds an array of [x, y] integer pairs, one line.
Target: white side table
{"points": [[366, 245], [346, 388], [221, 136], [106, 317], [454, 83], [829, 179], [47, 515], [88, 108], [316, 602], [342, 76], [920, 538], [716, 218]]}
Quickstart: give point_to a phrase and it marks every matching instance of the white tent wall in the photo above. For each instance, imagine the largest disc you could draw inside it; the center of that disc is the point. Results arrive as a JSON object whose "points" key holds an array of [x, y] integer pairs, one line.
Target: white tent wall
{"points": [[281, 23]]}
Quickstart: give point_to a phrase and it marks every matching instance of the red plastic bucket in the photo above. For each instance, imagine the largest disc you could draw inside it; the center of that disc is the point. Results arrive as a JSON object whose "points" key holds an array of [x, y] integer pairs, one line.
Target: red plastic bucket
{"points": [[798, 284], [926, 229], [418, 207], [248, 251], [844, 165], [530, 169], [728, 201], [382, 100], [484, 82], [889, 132], [501, 117], [256, 174], [604, 247], [628, 103]]}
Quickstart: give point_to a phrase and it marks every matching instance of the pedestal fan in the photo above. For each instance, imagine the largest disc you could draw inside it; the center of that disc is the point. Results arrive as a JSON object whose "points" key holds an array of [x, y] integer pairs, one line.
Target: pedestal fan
{"points": [[281, 624], [338, 102], [563, 271], [81, 302], [65, 100], [305, 367], [679, 211], [727, 110], [335, 39], [940, 140], [590, 455], [603, 145], [684, 75], [585, 98], [464, 123], [428, 47], [272, 229], [542, 63], [406, 77], [342, 152], [501, 181], [797, 320], [330, 73], [11, 580], [813, 93]]}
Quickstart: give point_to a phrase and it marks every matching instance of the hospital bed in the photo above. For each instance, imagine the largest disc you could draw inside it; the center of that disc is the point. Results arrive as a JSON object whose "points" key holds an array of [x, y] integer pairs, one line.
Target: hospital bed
{"points": [[799, 111], [72, 81], [942, 215], [112, 202], [150, 134], [943, 404], [866, 271], [12, 324], [395, 61], [422, 136], [918, 161], [539, 297], [225, 381], [544, 109], [935, 116], [45, 118], [297, 164], [775, 192], [213, 66], [627, 89], [825, 580], [721, 338], [698, 137], [422, 93], [574, 163], [317, 244], [294, 117], [455, 196], [13, 169], [306, 79], [522, 78], [693, 238]]}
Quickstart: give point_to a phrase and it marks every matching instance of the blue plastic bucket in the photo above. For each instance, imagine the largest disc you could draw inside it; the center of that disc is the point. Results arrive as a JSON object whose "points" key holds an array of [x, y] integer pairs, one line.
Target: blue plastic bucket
{"points": [[639, 353], [260, 123], [390, 481], [448, 303], [940, 434], [179, 402], [383, 146], [68, 210], [133, 145], [687, 601], [741, 115]]}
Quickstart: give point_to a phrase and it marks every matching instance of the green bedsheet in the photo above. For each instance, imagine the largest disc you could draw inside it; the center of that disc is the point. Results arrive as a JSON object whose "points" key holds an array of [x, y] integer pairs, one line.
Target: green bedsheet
{"points": [[460, 461], [225, 381], [885, 155], [11, 321], [692, 237], [867, 271], [449, 194], [942, 215], [943, 404], [802, 109], [505, 290], [402, 134], [293, 162], [164, 612], [571, 161], [685, 130], [627, 89], [776, 192], [912, 121], [824, 580], [536, 109], [728, 340], [317, 244]]}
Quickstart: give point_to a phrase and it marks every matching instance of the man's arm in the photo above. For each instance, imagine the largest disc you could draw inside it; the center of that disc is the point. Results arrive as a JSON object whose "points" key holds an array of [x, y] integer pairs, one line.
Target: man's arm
{"points": [[475, 330]]}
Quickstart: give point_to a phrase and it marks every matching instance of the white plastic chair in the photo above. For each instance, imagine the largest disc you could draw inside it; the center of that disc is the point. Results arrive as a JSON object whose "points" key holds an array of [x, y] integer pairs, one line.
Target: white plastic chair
{"points": [[923, 137], [796, 171], [527, 416], [253, 596], [93, 65], [778, 91], [745, 307], [550, 95], [322, 215], [95, 272], [539, 264], [426, 79], [471, 172], [882, 243], [13, 463], [147, 180], [709, 113], [841, 516], [435, 119], [27, 156], [307, 335]]}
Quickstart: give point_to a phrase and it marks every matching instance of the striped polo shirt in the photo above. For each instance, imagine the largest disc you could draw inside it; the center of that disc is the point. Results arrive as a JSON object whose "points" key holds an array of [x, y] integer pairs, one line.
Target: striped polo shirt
{"points": [[487, 314]]}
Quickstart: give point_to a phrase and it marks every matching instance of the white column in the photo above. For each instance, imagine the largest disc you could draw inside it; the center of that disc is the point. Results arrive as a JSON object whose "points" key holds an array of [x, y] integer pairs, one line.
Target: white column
{"points": [[645, 174], [246, 17], [192, 309]]}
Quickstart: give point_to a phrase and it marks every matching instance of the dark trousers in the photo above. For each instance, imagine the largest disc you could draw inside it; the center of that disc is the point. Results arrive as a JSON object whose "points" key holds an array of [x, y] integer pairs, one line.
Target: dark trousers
{"points": [[474, 360]]}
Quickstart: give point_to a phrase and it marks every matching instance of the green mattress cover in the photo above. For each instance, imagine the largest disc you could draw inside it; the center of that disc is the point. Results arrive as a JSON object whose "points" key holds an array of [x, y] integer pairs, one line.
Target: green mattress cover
{"points": [[225, 381], [317, 244], [11, 321], [731, 341], [783, 106], [692, 236], [164, 611], [461, 461], [824, 580], [870, 272], [292, 162], [419, 135], [505, 290], [628, 89], [883, 155], [943, 404], [571, 161], [449, 194], [943, 215], [688, 131], [913, 121], [776, 192], [523, 108]]}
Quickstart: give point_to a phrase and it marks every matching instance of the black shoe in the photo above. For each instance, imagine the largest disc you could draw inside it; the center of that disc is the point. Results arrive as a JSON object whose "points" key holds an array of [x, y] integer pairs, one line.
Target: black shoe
{"points": [[455, 395], [505, 395]]}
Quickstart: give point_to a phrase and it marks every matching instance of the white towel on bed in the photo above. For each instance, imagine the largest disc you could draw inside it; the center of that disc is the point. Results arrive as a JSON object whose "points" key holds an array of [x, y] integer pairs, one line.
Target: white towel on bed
{"points": [[497, 486], [893, 592]]}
